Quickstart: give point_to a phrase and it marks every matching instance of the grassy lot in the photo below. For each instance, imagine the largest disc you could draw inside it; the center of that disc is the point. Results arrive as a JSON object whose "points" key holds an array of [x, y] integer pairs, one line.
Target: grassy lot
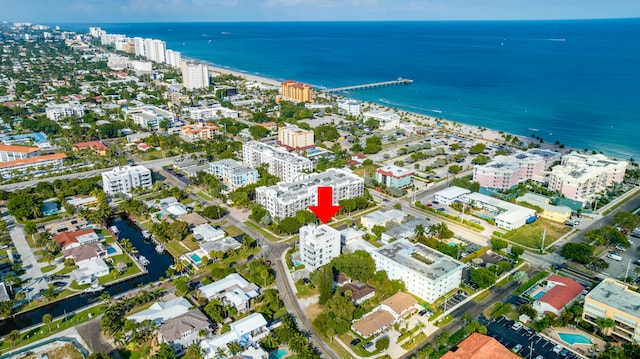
{"points": [[67, 270], [530, 235], [191, 243], [43, 331], [204, 196], [411, 343], [304, 290], [480, 297], [150, 155], [261, 231], [370, 170], [46, 269], [232, 231], [176, 248], [132, 269]]}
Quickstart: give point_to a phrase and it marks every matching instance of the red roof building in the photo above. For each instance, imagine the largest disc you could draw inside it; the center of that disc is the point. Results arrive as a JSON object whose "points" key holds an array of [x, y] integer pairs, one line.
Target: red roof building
{"points": [[558, 293], [68, 240], [479, 346], [97, 146]]}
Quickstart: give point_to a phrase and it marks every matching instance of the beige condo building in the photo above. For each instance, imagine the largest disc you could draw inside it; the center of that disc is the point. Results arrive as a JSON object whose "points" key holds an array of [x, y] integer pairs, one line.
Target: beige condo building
{"points": [[297, 91], [295, 137], [614, 300]]}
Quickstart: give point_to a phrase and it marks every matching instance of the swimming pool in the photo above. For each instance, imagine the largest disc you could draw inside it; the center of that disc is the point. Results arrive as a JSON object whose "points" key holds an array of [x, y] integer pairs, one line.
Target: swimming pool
{"points": [[572, 339], [196, 258], [539, 295], [111, 250], [278, 354]]}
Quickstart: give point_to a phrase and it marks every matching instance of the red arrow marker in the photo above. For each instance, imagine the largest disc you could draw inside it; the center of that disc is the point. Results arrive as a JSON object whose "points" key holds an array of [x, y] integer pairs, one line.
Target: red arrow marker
{"points": [[325, 209]]}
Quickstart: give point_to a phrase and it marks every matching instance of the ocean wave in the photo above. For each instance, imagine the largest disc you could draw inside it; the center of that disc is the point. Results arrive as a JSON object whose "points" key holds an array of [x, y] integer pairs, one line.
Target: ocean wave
{"points": [[533, 129], [559, 40]]}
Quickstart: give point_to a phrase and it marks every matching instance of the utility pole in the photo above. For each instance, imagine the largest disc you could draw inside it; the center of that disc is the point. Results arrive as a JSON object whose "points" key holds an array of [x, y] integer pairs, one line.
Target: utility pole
{"points": [[544, 234], [626, 274]]}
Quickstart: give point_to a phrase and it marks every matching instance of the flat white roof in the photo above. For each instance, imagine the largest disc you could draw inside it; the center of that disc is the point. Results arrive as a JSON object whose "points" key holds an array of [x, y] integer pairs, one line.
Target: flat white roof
{"points": [[452, 192]]}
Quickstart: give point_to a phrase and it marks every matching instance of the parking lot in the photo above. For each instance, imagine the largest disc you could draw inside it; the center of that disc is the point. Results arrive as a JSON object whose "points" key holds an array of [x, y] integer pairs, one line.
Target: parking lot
{"points": [[532, 346], [618, 269]]}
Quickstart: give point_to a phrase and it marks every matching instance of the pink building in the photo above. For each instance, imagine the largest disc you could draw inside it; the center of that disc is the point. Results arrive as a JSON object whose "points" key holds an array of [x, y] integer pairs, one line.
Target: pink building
{"points": [[505, 172], [581, 177]]}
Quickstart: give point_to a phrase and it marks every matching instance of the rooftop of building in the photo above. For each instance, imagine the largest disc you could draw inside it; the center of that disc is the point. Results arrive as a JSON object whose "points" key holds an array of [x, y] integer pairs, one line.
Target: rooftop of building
{"points": [[331, 177], [384, 216], [358, 290], [233, 166], [98, 145], [563, 292], [36, 159], [479, 346], [118, 171], [20, 149], [400, 302], [395, 171], [452, 192], [420, 258], [373, 322], [297, 84], [616, 295], [277, 152], [293, 128]]}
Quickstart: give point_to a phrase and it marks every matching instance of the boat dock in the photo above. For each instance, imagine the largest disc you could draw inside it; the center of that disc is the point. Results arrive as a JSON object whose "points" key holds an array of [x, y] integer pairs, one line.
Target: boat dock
{"points": [[398, 81]]}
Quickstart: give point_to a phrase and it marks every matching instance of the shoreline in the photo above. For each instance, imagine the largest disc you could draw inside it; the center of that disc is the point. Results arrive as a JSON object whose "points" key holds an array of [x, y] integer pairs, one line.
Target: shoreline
{"points": [[459, 128]]}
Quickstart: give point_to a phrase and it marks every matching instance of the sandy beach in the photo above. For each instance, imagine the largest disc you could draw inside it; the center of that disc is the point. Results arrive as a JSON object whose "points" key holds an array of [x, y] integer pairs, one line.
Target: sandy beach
{"points": [[483, 133]]}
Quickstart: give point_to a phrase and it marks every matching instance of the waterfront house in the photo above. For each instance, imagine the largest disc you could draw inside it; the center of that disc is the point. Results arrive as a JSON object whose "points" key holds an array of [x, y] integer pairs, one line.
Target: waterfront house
{"points": [[68, 240], [85, 253], [161, 312], [205, 232], [183, 330], [90, 270]]}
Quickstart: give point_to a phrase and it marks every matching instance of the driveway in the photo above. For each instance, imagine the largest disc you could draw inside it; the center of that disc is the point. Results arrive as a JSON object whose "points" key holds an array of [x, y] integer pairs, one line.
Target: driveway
{"points": [[29, 262]]}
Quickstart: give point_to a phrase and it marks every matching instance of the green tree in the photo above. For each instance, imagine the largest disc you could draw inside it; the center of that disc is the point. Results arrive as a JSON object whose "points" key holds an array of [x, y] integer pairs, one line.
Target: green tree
{"points": [[289, 225], [46, 319], [325, 284], [358, 265], [258, 132], [483, 277], [165, 352], [213, 212], [382, 343], [580, 252], [13, 336], [455, 169], [477, 148], [498, 244], [516, 251]]}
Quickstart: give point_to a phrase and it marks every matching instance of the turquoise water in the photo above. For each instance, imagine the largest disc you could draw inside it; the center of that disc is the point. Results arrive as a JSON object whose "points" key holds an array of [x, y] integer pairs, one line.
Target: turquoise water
{"points": [[572, 339], [111, 250], [453, 244], [278, 354], [539, 295], [576, 82], [196, 258]]}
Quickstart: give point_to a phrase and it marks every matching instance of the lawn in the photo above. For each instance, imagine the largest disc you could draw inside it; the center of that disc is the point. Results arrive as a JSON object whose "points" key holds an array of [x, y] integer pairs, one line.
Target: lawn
{"points": [[176, 248], [530, 235], [191, 243], [232, 231], [204, 196], [260, 230], [150, 155], [132, 269], [46, 269], [369, 170]]}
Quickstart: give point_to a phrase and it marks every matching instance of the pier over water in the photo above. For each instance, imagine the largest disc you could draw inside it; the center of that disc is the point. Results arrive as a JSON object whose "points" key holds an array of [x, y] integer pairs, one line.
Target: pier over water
{"points": [[398, 81]]}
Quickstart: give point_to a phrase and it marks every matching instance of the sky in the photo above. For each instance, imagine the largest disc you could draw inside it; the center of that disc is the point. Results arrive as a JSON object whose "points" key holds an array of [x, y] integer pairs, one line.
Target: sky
{"points": [[108, 11]]}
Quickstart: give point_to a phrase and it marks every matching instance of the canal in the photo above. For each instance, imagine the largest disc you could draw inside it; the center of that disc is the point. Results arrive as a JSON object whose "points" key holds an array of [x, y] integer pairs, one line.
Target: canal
{"points": [[157, 267]]}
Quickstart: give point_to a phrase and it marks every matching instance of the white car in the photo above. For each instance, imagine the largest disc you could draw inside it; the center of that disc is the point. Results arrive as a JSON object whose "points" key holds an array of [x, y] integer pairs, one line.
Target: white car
{"points": [[557, 349], [517, 348]]}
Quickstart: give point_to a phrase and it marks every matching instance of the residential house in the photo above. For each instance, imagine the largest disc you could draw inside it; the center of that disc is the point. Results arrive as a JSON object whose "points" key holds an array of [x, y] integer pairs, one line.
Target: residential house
{"points": [[359, 291], [232, 290], [480, 346], [381, 318], [205, 232], [161, 312], [381, 218], [97, 147], [68, 240], [184, 330], [246, 331], [559, 292], [90, 270], [85, 253]]}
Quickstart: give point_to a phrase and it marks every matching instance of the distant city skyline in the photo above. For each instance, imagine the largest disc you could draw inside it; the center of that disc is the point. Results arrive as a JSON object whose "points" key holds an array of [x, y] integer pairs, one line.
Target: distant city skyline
{"points": [[108, 11]]}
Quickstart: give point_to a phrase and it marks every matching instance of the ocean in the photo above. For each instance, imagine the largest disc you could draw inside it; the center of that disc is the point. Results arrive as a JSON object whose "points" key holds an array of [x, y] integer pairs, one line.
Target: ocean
{"points": [[576, 82]]}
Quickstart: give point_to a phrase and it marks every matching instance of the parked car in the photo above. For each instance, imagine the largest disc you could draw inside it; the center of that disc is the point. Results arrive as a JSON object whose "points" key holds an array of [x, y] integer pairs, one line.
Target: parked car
{"points": [[355, 342], [516, 326], [516, 349], [59, 284], [539, 357], [529, 333], [367, 345], [564, 352], [620, 248], [422, 312], [557, 349], [522, 301]]}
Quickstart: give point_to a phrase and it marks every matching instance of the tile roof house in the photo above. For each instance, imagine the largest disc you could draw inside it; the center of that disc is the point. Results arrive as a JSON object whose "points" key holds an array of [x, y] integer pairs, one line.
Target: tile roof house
{"points": [[558, 293], [182, 331], [161, 312], [87, 252], [68, 240], [97, 146], [479, 346], [390, 311], [360, 291]]}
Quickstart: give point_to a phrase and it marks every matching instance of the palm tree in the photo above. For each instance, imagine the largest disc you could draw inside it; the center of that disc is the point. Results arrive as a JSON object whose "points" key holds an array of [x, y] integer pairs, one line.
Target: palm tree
{"points": [[13, 336], [46, 319], [419, 231], [605, 325], [179, 266], [221, 352]]}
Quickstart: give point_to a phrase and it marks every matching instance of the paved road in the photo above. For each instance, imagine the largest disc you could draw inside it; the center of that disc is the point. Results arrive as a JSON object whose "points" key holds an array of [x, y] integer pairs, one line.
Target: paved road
{"points": [[291, 302], [153, 165], [29, 262], [498, 294]]}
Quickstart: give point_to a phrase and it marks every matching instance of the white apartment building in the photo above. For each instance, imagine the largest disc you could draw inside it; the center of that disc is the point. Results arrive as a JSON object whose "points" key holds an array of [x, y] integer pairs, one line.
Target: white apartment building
{"points": [[117, 62], [505, 172], [506, 214], [285, 199], [388, 120], [56, 112], [49, 163], [318, 245], [349, 107], [295, 137], [215, 111], [426, 273], [173, 58], [194, 75], [139, 43], [282, 164], [12, 153], [148, 116], [614, 300], [198, 132], [141, 65], [155, 50], [233, 174], [124, 179], [581, 176]]}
